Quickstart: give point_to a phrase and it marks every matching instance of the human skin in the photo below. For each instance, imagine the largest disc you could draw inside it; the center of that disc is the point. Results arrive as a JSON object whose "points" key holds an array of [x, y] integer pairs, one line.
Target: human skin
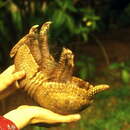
{"points": [[34, 114]]}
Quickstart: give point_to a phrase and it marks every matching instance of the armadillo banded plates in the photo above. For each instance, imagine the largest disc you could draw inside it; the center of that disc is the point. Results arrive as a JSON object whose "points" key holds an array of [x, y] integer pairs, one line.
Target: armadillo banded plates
{"points": [[48, 82]]}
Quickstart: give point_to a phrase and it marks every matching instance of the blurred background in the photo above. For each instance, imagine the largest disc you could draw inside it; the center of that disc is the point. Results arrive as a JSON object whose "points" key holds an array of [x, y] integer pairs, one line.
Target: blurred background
{"points": [[98, 33]]}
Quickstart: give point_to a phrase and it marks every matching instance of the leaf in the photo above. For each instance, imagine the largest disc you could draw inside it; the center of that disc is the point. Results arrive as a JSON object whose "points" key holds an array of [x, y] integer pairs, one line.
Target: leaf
{"points": [[85, 36], [96, 18], [70, 23], [71, 7], [80, 63], [3, 3], [3, 30], [83, 73], [59, 3], [114, 66], [58, 18], [17, 19], [125, 76]]}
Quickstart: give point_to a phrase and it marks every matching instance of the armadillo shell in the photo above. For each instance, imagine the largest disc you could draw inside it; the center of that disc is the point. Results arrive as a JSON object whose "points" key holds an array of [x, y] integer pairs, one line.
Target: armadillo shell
{"points": [[59, 97], [62, 98]]}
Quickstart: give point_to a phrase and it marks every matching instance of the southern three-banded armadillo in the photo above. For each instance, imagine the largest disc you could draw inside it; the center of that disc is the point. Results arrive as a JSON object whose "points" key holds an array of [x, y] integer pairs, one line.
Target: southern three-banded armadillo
{"points": [[48, 82]]}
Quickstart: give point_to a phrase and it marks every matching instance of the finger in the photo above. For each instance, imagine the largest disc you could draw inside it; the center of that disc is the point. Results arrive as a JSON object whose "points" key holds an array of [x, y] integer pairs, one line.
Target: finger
{"points": [[16, 76], [8, 79], [58, 118], [9, 70], [68, 118], [55, 118]]}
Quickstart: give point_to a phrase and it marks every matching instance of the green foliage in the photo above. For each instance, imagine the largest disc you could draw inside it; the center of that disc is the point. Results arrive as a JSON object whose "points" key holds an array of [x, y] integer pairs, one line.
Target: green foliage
{"points": [[124, 68], [87, 67], [38, 128], [34, 127], [125, 17], [69, 21], [111, 111]]}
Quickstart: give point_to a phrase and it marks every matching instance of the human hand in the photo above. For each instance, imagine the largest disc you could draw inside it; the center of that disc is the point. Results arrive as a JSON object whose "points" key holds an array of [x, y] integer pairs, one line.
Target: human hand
{"points": [[25, 115], [7, 78]]}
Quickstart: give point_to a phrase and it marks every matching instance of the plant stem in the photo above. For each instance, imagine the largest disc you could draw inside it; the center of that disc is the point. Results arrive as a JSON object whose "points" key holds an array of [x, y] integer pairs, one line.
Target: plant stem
{"points": [[102, 49]]}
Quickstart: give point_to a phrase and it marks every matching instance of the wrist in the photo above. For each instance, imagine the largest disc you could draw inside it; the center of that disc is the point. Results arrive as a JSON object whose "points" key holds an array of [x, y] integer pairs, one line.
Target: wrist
{"points": [[7, 124], [21, 118]]}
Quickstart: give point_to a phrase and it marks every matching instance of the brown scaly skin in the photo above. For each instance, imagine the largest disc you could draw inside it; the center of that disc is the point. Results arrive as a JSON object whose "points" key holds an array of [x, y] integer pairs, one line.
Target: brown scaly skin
{"points": [[48, 82]]}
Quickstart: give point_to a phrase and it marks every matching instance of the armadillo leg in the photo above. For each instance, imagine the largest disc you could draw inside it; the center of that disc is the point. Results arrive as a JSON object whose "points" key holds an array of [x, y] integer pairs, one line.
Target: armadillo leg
{"points": [[63, 71]]}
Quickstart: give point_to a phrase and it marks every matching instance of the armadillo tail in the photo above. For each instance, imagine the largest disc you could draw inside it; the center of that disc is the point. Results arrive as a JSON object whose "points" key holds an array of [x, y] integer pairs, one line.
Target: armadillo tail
{"points": [[97, 89]]}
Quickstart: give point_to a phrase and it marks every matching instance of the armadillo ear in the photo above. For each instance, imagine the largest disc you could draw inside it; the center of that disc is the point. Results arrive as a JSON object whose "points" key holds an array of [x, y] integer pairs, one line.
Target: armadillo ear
{"points": [[24, 40]]}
